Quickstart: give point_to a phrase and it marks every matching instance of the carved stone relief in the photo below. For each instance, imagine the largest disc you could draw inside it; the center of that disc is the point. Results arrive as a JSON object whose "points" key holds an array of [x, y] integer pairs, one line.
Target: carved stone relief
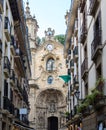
{"points": [[49, 102]]}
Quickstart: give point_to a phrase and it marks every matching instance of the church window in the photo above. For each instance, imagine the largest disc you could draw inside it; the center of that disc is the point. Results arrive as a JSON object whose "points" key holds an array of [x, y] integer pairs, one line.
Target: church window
{"points": [[50, 80], [50, 64]]}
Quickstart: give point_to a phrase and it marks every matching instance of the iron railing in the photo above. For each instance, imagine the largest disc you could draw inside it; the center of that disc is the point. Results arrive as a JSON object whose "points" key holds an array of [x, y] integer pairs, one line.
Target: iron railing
{"points": [[84, 66], [97, 42], [7, 63]]}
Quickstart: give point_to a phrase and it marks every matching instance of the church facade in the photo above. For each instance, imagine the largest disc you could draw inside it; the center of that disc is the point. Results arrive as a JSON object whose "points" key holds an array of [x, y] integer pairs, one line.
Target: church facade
{"points": [[47, 92]]}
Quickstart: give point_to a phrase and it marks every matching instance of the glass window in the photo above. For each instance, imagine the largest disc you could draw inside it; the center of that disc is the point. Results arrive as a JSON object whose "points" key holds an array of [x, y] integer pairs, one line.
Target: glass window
{"points": [[50, 64], [50, 80]]}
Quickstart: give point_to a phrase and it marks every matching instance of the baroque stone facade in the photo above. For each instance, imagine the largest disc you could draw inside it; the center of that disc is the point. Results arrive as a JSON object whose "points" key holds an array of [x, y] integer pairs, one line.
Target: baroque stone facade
{"points": [[47, 94]]}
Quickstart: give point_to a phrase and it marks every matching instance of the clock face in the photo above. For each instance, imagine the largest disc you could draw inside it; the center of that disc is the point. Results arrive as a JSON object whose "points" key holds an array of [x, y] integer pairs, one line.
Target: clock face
{"points": [[49, 47]]}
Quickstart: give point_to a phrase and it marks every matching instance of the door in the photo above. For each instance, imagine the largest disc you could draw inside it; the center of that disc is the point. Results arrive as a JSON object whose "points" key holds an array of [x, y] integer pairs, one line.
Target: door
{"points": [[52, 123]]}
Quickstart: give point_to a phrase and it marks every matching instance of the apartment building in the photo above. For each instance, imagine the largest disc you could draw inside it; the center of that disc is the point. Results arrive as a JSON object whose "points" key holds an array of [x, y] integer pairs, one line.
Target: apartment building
{"points": [[90, 37], [14, 66]]}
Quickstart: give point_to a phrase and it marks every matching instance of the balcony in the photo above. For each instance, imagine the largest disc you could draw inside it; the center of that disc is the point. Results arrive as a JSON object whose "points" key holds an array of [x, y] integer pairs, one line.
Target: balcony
{"points": [[6, 66], [20, 62], [20, 91], [8, 106], [20, 31], [25, 96], [25, 119], [13, 45], [96, 46], [16, 113], [72, 65], [83, 34], [84, 68], [72, 92], [93, 6], [76, 27], [69, 54], [72, 18], [18, 88], [16, 84], [66, 63], [68, 72], [0, 48], [75, 53], [7, 29], [1, 6], [82, 5], [12, 77], [74, 111], [76, 82], [100, 102], [14, 9], [68, 116]]}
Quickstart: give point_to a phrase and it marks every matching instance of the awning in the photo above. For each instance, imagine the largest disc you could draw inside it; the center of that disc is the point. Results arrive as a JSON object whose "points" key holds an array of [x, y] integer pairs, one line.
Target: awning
{"points": [[23, 126], [66, 78]]}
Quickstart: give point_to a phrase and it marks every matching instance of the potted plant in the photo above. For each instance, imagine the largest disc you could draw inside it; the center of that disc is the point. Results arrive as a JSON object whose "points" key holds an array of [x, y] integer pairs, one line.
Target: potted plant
{"points": [[82, 107], [67, 113], [100, 83]]}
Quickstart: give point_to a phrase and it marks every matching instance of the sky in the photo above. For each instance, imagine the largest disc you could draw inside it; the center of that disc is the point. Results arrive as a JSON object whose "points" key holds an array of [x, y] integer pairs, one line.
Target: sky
{"points": [[49, 13]]}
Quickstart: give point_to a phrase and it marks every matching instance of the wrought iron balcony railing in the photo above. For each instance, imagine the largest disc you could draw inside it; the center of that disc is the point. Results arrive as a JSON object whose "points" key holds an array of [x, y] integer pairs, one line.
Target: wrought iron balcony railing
{"points": [[12, 75], [68, 117], [14, 9], [76, 82], [0, 48], [75, 53], [72, 64], [7, 28], [84, 67], [16, 113], [25, 96], [93, 6], [82, 5], [7, 65], [83, 33], [7, 105], [69, 52], [20, 61], [25, 119], [18, 87], [69, 72], [13, 44], [96, 45], [5, 88]]}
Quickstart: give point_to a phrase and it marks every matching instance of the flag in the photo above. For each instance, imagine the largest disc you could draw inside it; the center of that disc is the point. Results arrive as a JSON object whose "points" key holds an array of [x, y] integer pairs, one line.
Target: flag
{"points": [[66, 78]]}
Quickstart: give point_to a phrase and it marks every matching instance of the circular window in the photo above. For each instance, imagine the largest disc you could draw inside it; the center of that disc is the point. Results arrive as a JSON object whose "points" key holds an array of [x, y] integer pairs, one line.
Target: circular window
{"points": [[50, 80]]}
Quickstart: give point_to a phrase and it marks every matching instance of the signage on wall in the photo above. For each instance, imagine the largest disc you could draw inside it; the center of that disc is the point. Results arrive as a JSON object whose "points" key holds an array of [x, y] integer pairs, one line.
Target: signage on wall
{"points": [[23, 111]]}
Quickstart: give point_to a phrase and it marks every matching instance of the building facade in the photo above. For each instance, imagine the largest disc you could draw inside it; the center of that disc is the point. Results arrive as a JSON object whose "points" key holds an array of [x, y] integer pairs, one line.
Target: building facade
{"points": [[14, 66], [47, 92], [91, 109]]}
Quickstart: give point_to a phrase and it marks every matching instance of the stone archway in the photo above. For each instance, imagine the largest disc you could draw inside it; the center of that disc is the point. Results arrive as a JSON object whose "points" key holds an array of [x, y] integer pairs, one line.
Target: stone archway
{"points": [[49, 103]]}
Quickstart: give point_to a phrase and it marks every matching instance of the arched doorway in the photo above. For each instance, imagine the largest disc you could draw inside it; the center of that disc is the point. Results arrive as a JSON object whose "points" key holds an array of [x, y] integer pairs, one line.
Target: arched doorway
{"points": [[49, 104], [52, 123]]}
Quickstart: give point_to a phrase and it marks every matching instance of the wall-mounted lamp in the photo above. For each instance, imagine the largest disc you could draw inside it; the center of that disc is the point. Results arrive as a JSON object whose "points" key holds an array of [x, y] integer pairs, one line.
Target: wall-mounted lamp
{"points": [[77, 94]]}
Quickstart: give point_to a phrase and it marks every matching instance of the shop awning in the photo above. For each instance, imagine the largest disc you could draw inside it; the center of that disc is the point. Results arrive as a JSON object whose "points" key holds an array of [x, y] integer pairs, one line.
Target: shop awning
{"points": [[66, 78]]}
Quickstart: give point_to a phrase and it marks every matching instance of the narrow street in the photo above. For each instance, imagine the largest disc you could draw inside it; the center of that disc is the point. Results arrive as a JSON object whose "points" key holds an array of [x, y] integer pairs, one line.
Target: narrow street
{"points": [[58, 81]]}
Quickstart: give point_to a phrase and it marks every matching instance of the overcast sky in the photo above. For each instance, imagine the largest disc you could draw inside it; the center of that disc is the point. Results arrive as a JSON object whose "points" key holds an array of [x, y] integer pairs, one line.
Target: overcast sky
{"points": [[50, 13]]}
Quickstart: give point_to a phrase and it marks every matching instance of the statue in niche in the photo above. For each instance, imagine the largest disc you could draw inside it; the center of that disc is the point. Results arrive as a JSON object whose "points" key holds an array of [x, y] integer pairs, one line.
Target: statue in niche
{"points": [[52, 107]]}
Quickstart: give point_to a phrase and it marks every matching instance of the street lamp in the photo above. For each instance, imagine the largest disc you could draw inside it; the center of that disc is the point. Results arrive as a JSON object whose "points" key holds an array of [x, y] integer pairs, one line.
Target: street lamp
{"points": [[77, 94]]}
